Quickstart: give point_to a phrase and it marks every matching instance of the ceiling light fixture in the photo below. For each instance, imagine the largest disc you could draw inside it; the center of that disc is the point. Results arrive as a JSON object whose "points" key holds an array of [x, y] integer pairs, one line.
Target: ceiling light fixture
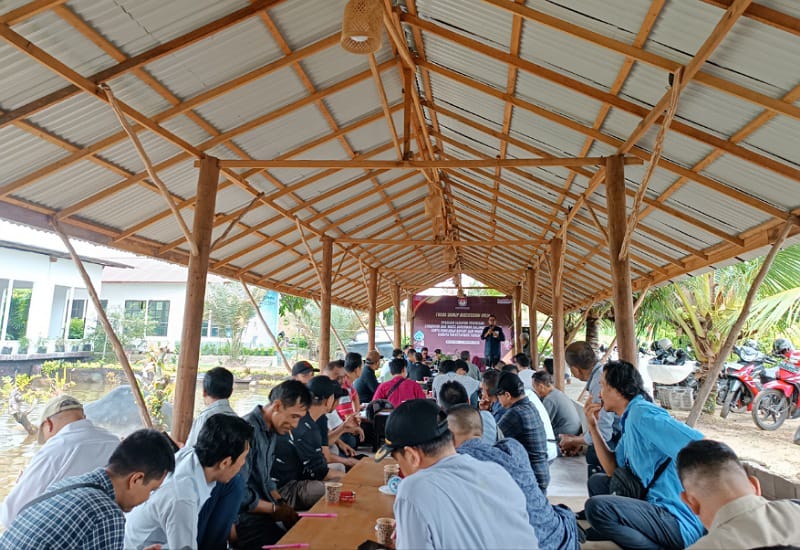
{"points": [[362, 26]]}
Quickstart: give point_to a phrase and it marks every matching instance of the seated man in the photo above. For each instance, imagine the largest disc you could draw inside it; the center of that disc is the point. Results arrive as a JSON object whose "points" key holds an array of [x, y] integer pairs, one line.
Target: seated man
{"points": [[263, 506], [524, 370], [729, 503], [335, 450], [472, 367], [522, 422], [350, 404], [563, 415], [86, 511], [220, 510], [71, 446], [555, 526], [399, 388], [366, 382], [303, 371], [170, 516], [453, 394], [583, 365], [418, 371], [430, 505], [649, 445], [300, 465], [447, 372]]}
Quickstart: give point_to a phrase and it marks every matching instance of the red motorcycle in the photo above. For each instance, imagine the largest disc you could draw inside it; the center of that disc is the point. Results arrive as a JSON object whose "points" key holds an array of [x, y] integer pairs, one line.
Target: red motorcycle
{"points": [[742, 381], [778, 399]]}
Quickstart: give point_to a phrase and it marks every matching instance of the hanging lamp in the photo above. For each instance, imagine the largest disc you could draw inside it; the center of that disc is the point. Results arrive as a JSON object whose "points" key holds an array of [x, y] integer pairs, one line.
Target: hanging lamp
{"points": [[362, 25]]}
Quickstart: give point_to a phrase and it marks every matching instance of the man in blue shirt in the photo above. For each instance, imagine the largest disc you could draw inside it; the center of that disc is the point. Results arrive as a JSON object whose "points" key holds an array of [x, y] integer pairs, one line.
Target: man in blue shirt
{"points": [[448, 500], [522, 422], [86, 512], [555, 526], [650, 439]]}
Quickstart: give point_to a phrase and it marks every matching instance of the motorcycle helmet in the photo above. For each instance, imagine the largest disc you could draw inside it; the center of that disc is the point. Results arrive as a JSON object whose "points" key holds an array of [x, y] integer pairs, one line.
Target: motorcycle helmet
{"points": [[782, 346], [664, 344], [750, 343]]}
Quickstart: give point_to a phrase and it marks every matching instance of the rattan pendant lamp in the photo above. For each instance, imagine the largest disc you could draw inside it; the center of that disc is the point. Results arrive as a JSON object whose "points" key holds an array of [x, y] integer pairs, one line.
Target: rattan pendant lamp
{"points": [[361, 26]]}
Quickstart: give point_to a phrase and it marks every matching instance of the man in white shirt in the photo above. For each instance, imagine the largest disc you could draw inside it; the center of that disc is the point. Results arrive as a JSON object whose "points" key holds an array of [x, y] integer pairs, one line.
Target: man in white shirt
{"points": [[447, 372], [523, 369], [72, 446], [448, 500], [217, 389], [169, 517], [729, 503]]}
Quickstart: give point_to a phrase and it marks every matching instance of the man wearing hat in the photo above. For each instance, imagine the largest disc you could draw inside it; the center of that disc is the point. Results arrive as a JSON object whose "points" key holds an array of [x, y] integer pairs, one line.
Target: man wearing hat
{"points": [[303, 371], [300, 466], [522, 422], [430, 505], [71, 446], [367, 383]]}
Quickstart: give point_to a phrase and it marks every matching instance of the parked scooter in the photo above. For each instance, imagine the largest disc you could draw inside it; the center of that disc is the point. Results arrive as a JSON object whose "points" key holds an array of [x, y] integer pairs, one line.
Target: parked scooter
{"points": [[741, 382], [672, 374], [778, 399]]}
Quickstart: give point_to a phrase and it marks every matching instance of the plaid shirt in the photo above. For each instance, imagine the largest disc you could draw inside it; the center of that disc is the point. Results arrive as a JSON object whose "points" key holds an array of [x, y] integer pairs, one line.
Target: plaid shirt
{"points": [[79, 519], [522, 422]]}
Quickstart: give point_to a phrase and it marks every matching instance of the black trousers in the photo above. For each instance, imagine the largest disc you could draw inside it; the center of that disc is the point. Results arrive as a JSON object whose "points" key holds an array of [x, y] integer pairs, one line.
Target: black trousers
{"points": [[256, 530]]}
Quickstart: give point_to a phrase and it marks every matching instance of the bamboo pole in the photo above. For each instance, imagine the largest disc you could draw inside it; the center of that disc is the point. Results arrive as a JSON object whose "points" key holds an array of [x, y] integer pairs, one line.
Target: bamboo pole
{"points": [[517, 301], [398, 323], [266, 326], [636, 306], [373, 301], [557, 334], [716, 365], [110, 334], [620, 268], [196, 278], [420, 164], [533, 334], [325, 302]]}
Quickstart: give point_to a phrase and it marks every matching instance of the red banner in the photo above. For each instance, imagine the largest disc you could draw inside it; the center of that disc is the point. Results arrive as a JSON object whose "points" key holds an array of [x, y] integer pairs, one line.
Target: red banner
{"points": [[454, 324]]}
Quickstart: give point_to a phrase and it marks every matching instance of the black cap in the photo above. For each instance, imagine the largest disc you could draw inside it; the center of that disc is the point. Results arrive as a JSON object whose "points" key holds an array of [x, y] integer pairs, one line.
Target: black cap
{"points": [[508, 382], [303, 366], [414, 422], [322, 387]]}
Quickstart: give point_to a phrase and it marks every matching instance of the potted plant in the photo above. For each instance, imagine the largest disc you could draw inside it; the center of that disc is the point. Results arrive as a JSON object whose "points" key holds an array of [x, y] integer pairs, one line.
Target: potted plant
{"points": [[24, 343], [41, 345], [60, 345], [86, 344]]}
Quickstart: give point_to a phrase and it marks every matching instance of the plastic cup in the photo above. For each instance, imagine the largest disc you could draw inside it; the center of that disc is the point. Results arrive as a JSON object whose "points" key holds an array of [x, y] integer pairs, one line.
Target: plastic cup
{"points": [[332, 491], [390, 470], [385, 529]]}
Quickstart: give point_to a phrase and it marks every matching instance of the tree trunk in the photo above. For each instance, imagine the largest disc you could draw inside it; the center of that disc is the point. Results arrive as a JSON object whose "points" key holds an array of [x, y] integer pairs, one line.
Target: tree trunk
{"points": [[593, 329]]}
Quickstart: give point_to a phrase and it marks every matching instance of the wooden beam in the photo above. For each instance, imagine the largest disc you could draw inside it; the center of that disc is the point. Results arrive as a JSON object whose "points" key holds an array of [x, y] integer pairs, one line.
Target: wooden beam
{"points": [[373, 313], [620, 268], [138, 60], [186, 380], [29, 10], [533, 336], [557, 332], [432, 242], [418, 164], [398, 323], [517, 306], [325, 302], [768, 16]]}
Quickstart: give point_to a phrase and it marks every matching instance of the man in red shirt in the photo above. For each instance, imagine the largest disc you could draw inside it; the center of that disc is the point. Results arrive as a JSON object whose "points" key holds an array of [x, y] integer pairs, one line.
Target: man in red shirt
{"points": [[399, 388]]}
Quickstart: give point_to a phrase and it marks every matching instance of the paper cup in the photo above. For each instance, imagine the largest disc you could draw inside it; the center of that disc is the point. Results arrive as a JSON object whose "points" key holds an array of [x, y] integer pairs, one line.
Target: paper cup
{"points": [[332, 491], [385, 530]]}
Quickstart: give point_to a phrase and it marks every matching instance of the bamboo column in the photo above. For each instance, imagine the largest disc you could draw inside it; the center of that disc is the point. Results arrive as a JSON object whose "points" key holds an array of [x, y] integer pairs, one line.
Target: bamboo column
{"points": [[398, 323], [556, 273], [620, 268], [533, 289], [325, 301], [195, 298], [410, 317], [373, 307], [517, 300], [110, 334]]}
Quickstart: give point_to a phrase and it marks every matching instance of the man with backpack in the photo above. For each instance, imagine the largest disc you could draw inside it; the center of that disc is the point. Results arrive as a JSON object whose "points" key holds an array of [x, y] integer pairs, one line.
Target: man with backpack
{"points": [[399, 388]]}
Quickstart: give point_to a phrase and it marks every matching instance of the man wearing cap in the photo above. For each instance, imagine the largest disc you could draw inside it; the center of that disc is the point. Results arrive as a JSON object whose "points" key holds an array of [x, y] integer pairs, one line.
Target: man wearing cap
{"points": [[72, 446], [367, 383], [303, 371], [430, 505], [300, 466], [522, 422]]}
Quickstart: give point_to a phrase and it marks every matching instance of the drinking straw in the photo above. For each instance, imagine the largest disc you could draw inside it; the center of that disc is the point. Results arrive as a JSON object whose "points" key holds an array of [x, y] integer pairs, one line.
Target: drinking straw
{"points": [[311, 515]]}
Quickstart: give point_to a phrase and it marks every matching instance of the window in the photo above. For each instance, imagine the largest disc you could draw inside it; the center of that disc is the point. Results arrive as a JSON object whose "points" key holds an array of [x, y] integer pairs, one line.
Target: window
{"points": [[158, 315], [78, 309], [209, 328], [134, 307]]}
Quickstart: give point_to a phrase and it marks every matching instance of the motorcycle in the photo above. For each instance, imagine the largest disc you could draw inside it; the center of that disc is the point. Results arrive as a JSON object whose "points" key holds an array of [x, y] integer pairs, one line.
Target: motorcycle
{"points": [[741, 382], [778, 399], [673, 375]]}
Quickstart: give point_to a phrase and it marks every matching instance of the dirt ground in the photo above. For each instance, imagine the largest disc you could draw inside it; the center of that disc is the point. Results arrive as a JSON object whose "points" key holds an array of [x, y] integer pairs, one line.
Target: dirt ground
{"points": [[773, 450]]}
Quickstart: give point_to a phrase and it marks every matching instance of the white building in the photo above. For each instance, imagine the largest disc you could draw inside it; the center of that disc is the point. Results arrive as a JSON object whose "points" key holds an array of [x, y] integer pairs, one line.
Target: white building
{"points": [[49, 283]]}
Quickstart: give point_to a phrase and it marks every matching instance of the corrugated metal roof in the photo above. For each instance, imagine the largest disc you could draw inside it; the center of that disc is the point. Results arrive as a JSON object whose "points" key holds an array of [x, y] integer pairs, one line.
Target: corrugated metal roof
{"points": [[530, 203]]}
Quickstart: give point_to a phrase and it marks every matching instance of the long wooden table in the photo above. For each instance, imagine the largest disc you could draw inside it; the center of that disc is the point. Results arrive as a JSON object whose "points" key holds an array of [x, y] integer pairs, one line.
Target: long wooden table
{"points": [[355, 522]]}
